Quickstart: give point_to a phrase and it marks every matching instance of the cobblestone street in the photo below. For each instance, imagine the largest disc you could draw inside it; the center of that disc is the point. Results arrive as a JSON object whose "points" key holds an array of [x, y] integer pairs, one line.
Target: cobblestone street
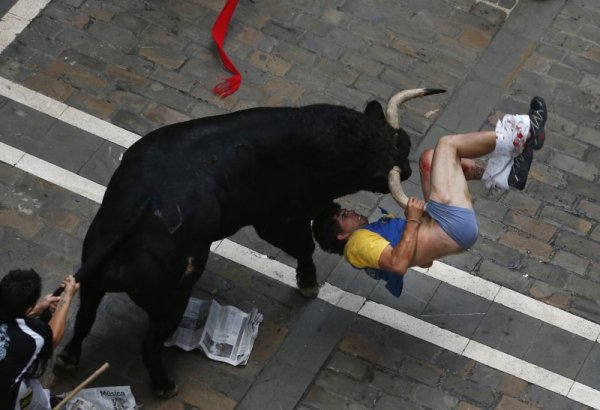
{"points": [[514, 323]]}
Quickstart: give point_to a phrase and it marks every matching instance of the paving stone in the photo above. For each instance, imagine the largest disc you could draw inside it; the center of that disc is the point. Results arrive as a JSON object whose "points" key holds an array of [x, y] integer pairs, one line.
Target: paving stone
{"points": [[574, 166], [528, 246], [421, 371], [469, 390], [509, 403], [498, 253], [578, 245], [203, 397], [570, 262], [516, 280], [387, 402], [348, 365], [589, 136], [524, 223], [579, 186], [318, 397], [433, 398], [341, 385], [98, 107], [25, 225]]}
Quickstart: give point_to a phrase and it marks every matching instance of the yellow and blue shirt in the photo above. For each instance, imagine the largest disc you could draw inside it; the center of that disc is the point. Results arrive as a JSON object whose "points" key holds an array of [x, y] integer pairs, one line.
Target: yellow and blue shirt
{"points": [[365, 245]]}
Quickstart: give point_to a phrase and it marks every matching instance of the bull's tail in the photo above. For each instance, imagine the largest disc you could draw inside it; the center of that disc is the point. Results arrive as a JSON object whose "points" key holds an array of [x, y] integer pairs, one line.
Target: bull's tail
{"points": [[100, 255]]}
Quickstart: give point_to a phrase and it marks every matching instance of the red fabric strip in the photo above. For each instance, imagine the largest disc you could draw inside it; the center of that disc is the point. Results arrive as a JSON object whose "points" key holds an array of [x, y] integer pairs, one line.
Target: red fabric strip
{"points": [[229, 85]]}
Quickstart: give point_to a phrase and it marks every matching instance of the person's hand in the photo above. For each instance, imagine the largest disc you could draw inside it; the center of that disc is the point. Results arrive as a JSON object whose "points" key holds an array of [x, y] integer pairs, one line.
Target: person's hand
{"points": [[70, 285], [414, 208], [45, 302]]}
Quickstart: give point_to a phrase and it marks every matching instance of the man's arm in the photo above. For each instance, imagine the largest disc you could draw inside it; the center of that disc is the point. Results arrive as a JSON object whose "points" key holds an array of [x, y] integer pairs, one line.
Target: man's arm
{"points": [[399, 258], [59, 318]]}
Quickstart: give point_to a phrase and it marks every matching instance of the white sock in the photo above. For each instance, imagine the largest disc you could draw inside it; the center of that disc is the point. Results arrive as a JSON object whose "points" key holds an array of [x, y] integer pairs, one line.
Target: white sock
{"points": [[511, 134]]}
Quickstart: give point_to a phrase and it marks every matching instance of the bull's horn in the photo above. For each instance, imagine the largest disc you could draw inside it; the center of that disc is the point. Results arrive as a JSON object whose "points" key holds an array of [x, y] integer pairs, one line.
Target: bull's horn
{"points": [[396, 188], [394, 103]]}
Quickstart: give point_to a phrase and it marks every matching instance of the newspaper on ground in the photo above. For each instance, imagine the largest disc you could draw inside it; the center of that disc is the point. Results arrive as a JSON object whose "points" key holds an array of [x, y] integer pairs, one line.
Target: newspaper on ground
{"points": [[102, 398], [223, 333]]}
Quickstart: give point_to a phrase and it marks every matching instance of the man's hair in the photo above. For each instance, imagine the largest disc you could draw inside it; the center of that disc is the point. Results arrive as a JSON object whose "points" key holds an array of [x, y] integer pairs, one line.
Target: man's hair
{"points": [[326, 228], [19, 290]]}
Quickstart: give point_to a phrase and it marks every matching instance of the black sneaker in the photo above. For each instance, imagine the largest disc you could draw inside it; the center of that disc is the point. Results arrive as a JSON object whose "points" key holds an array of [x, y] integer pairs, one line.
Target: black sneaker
{"points": [[538, 114], [520, 168]]}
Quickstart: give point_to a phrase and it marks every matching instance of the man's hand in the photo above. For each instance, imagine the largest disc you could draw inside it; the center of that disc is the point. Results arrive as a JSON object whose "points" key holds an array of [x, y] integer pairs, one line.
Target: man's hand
{"points": [[414, 208], [70, 285], [45, 302]]}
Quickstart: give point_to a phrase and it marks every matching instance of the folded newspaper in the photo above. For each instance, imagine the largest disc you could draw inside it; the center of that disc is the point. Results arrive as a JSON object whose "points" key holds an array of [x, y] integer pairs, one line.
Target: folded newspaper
{"points": [[102, 398], [223, 333]]}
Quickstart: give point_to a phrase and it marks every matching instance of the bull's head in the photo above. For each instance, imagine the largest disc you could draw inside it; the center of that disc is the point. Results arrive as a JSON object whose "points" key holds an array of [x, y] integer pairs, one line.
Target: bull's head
{"points": [[401, 171]]}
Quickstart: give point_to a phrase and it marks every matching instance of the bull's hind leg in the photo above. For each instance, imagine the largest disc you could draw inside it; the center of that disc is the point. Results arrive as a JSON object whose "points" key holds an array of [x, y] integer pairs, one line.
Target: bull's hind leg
{"points": [[165, 307], [294, 237], [163, 322], [89, 299]]}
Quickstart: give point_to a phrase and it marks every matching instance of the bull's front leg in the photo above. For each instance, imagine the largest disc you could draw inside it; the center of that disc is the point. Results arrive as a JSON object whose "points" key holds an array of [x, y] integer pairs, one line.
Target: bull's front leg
{"points": [[294, 237]]}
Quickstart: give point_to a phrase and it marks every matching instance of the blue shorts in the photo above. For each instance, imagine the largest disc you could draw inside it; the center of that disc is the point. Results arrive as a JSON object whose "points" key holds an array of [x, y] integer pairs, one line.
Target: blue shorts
{"points": [[459, 223]]}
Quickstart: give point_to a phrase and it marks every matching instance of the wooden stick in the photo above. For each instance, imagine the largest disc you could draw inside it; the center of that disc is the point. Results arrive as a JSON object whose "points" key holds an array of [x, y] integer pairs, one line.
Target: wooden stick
{"points": [[81, 386]]}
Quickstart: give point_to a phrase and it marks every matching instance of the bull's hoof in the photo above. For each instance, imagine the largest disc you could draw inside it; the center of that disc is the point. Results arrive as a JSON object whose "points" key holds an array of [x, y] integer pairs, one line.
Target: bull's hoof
{"points": [[65, 363], [167, 391], [310, 292]]}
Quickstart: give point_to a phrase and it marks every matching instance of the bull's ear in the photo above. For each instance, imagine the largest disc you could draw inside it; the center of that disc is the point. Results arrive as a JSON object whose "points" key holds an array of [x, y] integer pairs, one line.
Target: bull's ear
{"points": [[374, 112]]}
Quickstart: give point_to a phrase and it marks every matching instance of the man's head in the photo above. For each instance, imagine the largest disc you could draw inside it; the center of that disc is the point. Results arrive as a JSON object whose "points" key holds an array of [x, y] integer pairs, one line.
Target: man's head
{"points": [[19, 291], [334, 225]]}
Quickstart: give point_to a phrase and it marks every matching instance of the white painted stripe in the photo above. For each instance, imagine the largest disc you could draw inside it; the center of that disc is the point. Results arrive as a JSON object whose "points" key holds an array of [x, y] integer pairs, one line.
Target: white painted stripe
{"points": [[65, 113], [548, 314], [61, 177], [584, 394], [514, 300], [461, 279], [519, 368], [28, 9], [31, 99], [99, 127], [17, 18], [9, 154], [415, 327]]}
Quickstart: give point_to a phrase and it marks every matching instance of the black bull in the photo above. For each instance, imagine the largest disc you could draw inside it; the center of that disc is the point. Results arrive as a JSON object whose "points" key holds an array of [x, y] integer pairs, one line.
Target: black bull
{"points": [[186, 185]]}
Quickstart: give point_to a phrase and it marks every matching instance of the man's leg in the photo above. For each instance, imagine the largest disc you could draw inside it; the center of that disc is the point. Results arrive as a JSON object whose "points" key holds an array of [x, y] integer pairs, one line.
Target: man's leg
{"points": [[472, 169], [448, 182]]}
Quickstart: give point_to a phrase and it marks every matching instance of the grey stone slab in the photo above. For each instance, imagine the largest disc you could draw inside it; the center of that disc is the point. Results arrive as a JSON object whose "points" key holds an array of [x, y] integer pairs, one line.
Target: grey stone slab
{"points": [[21, 126], [314, 335], [101, 166], [507, 330], [559, 351], [545, 12], [279, 386], [416, 294], [456, 310]]}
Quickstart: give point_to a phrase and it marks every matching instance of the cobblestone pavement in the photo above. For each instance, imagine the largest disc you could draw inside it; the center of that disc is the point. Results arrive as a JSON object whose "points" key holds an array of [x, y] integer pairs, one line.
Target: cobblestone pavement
{"points": [[142, 64]]}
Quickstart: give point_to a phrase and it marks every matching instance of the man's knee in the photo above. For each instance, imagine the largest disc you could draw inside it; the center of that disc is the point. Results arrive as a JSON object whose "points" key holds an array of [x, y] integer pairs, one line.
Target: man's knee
{"points": [[425, 161]]}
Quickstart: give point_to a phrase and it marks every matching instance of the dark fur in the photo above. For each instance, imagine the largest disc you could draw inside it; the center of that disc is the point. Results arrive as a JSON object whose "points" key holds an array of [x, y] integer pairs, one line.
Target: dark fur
{"points": [[186, 185]]}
